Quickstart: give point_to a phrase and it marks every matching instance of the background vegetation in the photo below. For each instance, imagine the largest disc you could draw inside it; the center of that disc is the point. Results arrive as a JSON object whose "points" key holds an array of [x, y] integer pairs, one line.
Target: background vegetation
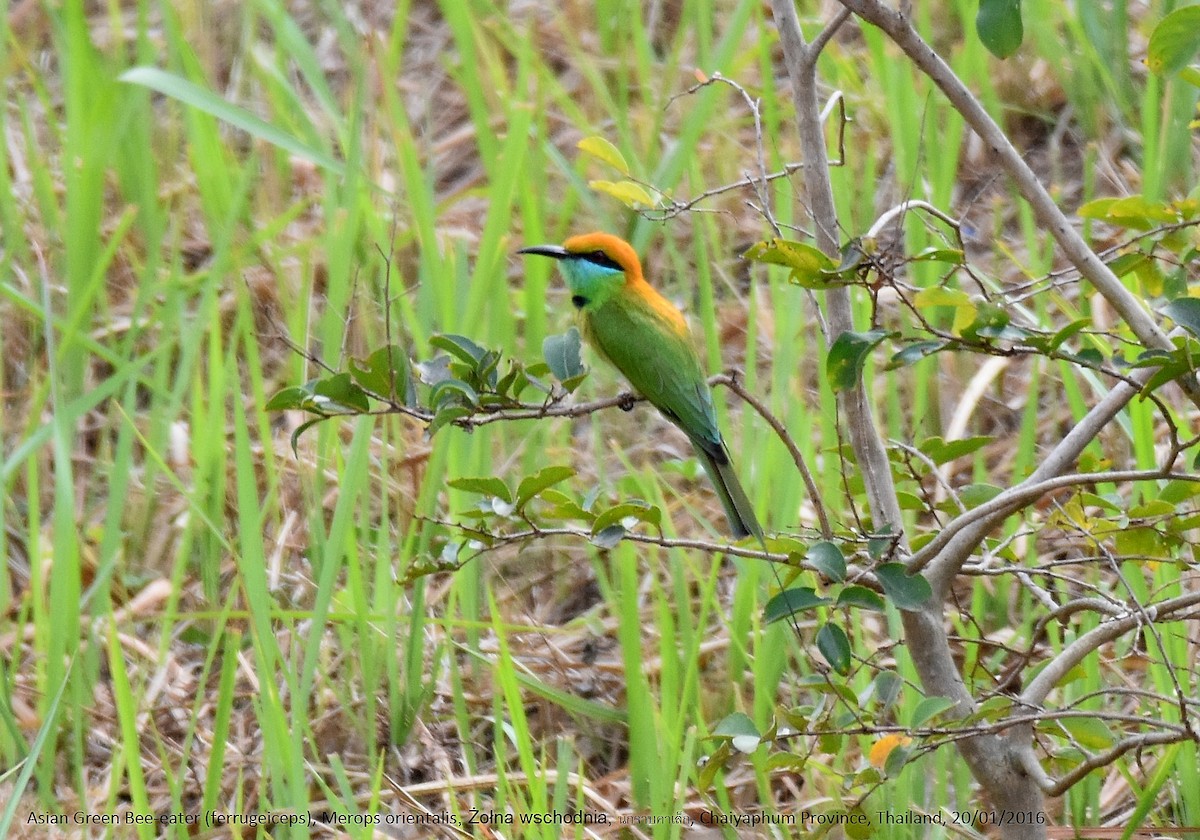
{"points": [[196, 618]]}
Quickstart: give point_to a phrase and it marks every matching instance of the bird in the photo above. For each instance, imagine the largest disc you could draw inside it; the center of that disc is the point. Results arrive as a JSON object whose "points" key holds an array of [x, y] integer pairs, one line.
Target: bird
{"points": [[645, 337]]}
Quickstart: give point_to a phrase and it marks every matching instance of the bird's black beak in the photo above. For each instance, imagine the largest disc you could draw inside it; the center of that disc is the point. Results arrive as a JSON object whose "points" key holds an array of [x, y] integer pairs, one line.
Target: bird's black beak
{"points": [[554, 251]]}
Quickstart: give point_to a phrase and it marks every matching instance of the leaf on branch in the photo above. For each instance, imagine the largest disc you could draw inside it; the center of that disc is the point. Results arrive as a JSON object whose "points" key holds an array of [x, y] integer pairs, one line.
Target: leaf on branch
{"points": [[1185, 312], [629, 193], [928, 709], [604, 151], [485, 486], [999, 26], [1174, 41], [792, 601], [385, 372], [907, 592], [561, 353], [848, 356], [828, 559], [835, 647], [860, 596], [810, 267], [618, 515], [533, 485]]}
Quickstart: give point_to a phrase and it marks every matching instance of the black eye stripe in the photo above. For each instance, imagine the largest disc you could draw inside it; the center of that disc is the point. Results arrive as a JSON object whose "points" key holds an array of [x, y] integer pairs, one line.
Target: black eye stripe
{"points": [[601, 258]]}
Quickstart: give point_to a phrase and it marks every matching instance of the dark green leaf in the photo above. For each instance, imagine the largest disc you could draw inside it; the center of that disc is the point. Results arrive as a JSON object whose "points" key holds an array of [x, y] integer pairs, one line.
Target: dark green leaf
{"points": [[928, 709], [561, 353], [860, 596], [301, 429], [848, 356], [609, 537], [486, 486], [896, 760], [828, 559], [999, 26], [452, 391], [908, 592], [384, 372], [736, 724], [914, 352], [461, 347], [642, 511], [835, 647], [792, 601], [1185, 311], [339, 395], [289, 398], [447, 414], [887, 687], [532, 485]]}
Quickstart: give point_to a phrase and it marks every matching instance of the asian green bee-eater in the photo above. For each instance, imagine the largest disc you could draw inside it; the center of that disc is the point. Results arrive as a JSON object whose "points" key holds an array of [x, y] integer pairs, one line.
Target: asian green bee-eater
{"points": [[647, 339]]}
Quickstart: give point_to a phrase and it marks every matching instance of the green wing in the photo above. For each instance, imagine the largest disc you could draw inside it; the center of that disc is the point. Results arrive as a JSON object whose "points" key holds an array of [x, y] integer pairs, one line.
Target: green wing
{"points": [[663, 367], [659, 363]]}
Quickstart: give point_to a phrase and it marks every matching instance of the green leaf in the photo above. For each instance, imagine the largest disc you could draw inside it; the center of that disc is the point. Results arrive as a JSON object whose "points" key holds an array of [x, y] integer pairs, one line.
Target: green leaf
{"points": [[1091, 733], [935, 297], [451, 391], [1134, 211], [954, 256], [943, 451], [1067, 332], [1185, 311], [533, 485], [828, 559], [609, 537], [289, 398], [860, 596], [484, 486], [790, 602], [914, 352], [339, 395], [629, 193], [896, 760], [461, 347], [974, 495], [642, 511], [1174, 41], [445, 415], [810, 267], [907, 592], [301, 429], [210, 103], [384, 372], [999, 26], [887, 686], [1191, 75], [835, 647], [848, 356], [561, 353], [604, 151], [734, 725], [928, 709]]}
